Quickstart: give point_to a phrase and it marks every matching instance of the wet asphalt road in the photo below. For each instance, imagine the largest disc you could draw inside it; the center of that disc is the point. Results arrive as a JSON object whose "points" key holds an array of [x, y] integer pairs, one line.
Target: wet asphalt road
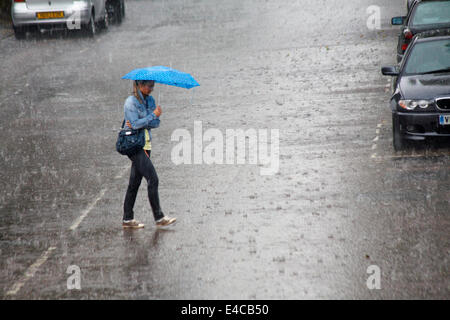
{"points": [[342, 200]]}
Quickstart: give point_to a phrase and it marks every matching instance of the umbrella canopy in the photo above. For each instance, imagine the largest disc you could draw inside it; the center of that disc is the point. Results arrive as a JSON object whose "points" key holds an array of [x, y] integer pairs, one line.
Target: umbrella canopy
{"points": [[163, 75]]}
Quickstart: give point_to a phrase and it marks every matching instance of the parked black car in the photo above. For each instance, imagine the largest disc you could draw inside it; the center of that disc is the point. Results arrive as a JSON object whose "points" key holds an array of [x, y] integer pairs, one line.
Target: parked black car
{"points": [[421, 99], [116, 10], [423, 15]]}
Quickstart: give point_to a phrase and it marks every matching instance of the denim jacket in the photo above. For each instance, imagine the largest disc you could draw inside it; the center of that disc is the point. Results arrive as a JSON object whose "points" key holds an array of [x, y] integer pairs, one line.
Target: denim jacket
{"points": [[141, 115]]}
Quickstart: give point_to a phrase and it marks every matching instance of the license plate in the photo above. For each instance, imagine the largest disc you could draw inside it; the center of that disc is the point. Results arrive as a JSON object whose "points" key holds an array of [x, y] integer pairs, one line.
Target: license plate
{"points": [[50, 15], [444, 120]]}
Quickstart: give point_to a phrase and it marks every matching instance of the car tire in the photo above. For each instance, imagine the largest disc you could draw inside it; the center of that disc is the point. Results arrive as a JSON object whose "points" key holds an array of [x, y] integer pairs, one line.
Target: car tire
{"points": [[118, 13], [20, 32], [91, 28], [104, 24], [109, 7], [398, 139]]}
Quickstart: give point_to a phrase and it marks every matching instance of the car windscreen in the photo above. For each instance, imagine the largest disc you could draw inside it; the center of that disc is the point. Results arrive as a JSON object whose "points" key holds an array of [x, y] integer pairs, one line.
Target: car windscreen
{"points": [[433, 12], [428, 56]]}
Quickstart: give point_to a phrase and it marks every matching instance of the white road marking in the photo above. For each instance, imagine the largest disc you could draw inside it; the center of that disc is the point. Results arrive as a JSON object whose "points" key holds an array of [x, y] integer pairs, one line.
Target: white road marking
{"points": [[30, 272], [93, 204], [375, 140], [388, 85], [121, 174], [43, 258], [87, 210]]}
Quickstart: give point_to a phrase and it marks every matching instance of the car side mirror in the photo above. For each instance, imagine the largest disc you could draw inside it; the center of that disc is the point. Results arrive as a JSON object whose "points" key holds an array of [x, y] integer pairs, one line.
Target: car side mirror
{"points": [[398, 21], [390, 71]]}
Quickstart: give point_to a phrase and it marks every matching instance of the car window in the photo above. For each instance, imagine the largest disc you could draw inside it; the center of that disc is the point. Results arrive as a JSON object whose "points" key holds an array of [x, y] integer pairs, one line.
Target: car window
{"points": [[434, 12], [428, 56]]}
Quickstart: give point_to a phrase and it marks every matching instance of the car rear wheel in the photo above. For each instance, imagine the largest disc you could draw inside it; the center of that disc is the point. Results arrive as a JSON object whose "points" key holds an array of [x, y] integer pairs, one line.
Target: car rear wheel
{"points": [[104, 24], [119, 12], [90, 28], [116, 11], [398, 139]]}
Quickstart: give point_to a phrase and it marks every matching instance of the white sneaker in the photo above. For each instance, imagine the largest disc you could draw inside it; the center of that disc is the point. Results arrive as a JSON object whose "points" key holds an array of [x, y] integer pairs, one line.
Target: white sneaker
{"points": [[133, 224], [165, 221]]}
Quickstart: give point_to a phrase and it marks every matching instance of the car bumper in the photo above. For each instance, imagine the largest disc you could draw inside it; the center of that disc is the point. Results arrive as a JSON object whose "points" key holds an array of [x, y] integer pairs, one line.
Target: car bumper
{"points": [[418, 126], [22, 16]]}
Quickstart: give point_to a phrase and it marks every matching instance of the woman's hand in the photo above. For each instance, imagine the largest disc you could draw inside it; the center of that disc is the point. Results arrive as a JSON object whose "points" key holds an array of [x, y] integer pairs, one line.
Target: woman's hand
{"points": [[128, 124], [157, 111]]}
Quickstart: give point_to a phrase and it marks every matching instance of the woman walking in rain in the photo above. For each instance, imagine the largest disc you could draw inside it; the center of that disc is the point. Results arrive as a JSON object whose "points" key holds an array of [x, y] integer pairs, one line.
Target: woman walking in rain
{"points": [[142, 113]]}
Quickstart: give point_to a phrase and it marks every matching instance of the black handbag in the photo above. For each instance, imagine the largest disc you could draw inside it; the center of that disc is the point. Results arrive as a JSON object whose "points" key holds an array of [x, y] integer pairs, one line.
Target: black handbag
{"points": [[130, 141]]}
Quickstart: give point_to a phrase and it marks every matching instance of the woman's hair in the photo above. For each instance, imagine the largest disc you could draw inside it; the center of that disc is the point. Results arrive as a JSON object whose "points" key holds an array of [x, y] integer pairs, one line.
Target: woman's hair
{"points": [[136, 85]]}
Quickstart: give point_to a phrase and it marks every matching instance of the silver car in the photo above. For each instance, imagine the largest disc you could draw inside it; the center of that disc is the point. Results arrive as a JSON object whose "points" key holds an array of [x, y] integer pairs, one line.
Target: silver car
{"points": [[58, 14]]}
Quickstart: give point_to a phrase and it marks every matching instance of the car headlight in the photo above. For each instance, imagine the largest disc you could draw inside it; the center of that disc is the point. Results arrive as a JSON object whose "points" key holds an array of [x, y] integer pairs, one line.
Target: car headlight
{"points": [[413, 104]]}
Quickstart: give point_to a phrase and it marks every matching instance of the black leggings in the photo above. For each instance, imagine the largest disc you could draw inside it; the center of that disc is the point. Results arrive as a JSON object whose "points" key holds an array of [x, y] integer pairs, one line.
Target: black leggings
{"points": [[142, 167]]}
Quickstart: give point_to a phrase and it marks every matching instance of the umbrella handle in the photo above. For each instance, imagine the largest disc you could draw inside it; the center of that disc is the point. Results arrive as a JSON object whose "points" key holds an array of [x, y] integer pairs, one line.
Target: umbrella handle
{"points": [[192, 96]]}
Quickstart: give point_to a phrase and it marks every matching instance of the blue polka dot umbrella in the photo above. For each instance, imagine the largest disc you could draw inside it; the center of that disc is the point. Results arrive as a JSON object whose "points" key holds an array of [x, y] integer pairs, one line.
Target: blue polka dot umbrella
{"points": [[163, 75]]}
